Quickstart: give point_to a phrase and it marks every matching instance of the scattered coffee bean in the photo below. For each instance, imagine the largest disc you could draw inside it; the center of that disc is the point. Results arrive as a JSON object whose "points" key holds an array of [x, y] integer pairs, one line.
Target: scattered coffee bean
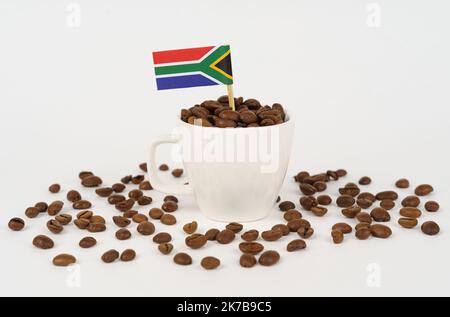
{"points": [[163, 167], [324, 200], [123, 234], [121, 222], [82, 223], [182, 259], [125, 205], [43, 242], [171, 198], [410, 212], [146, 228], [55, 188], [64, 219], [351, 190], [319, 211], [342, 227], [162, 237], [136, 180], [156, 213], [307, 189], [365, 180], [430, 228], [145, 185], [144, 201], [269, 258], [196, 241], [362, 225], [286, 205], [211, 234], [96, 227], [272, 235], [16, 224], [178, 172], [364, 217], [165, 248], [143, 167], [301, 176], [380, 231], [32, 212], [363, 203], [337, 236], [292, 214], [116, 198], [110, 256], [82, 204], [388, 194], [235, 227], [368, 196], [341, 172], [130, 214], [87, 242], [283, 228], [411, 201], [387, 204], [54, 226], [308, 202], [210, 263], [320, 186], [168, 219], [345, 201], [138, 218], [169, 206], [42, 206], [305, 233], [423, 190], [408, 223], [91, 181], [135, 194], [225, 236], [84, 174], [295, 245], [402, 183], [363, 233], [351, 212], [73, 196], [64, 260], [431, 206], [118, 187], [104, 191], [126, 179], [191, 227], [296, 224], [128, 255], [87, 214], [380, 215], [97, 219]]}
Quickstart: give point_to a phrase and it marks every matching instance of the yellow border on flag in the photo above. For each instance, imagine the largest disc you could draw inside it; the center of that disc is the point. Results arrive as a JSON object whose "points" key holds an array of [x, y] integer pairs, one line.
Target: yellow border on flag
{"points": [[213, 65]]}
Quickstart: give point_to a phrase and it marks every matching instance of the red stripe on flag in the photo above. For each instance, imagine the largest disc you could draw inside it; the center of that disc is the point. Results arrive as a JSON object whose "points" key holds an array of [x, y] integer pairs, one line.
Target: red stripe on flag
{"points": [[183, 55]]}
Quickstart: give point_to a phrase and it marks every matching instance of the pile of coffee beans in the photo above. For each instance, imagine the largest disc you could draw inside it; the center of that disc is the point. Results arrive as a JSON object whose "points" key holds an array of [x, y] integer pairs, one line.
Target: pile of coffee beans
{"points": [[248, 113]]}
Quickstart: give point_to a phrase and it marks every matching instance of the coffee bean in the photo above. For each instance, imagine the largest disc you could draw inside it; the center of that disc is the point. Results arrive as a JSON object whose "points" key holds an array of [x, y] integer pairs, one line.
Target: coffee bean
{"points": [[380, 231], [64, 260], [104, 191], [64, 219], [146, 228], [307, 189], [121, 222], [86, 214], [402, 183], [135, 194], [178, 172], [408, 223], [145, 185], [341, 172], [144, 201], [283, 228], [96, 227], [55, 207], [345, 201], [225, 236], [235, 227], [43, 242], [305, 232], [128, 255], [387, 204], [32, 212], [319, 211], [156, 213], [364, 217], [322, 177], [126, 179], [73, 196], [115, 199], [295, 245], [380, 215], [123, 234], [423, 190], [169, 206], [430, 228], [332, 175], [338, 236], [130, 214], [363, 203], [301, 176], [308, 202], [248, 117], [136, 180], [82, 204], [272, 235], [251, 247], [410, 212], [171, 198], [210, 263], [388, 194], [320, 186], [286, 205], [162, 237], [368, 196], [125, 205], [163, 167], [324, 200], [196, 241], [363, 233], [42, 206], [351, 212], [365, 180], [91, 181], [118, 187], [211, 234], [165, 248], [143, 167], [411, 201], [168, 219], [16, 224], [97, 219], [182, 259], [54, 188], [84, 174], [110, 256], [342, 227], [87, 242], [54, 226], [362, 225], [191, 227], [82, 223], [292, 214], [269, 258], [349, 191], [431, 206], [296, 224]]}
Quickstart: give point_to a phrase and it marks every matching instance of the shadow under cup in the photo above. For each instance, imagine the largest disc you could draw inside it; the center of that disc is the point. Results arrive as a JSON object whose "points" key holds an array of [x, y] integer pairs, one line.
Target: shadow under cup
{"points": [[235, 174]]}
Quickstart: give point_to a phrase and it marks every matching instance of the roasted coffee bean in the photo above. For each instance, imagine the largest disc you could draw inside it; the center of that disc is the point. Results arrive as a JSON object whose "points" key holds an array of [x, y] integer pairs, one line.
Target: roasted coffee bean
{"points": [[235, 227], [388, 194], [143, 167], [211, 234], [54, 188], [136, 180], [387, 204], [210, 263], [42, 206], [97, 219], [191, 227], [380, 215], [165, 248], [230, 115], [138, 218], [345, 201], [272, 235], [87, 214], [363, 225], [82, 223], [130, 214], [248, 117], [182, 259], [110, 256], [225, 236], [82, 204], [281, 227], [64, 260], [171, 198], [423, 190], [349, 191], [410, 212], [156, 213], [146, 228], [144, 201], [301, 176], [169, 206], [54, 226], [296, 224], [319, 211], [43, 242], [295, 245], [411, 201], [32, 212], [322, 177], [16, 224], [341, 172], [126, 179], [84, 174], [305, 232], [267, 122], [364, 217], [365, 180], [292, 214], [269, 258], [118, 187], [73, 196], [402, 183], [324, 200], [408, 223], [104, 191], [380, 231], [123, 234], [337, 236], [251, 247], [247, 260], [87, 242], [307, 189], [162, 237], [168, 219], [196, 241], [96, 227], [178, 172], [363, 203], [286, 205], [363, 233], [163, 167], [431, 206], [332, 175], [128, 255], [351, 212], [135, 194], [252, 104], [125, 205], [250, 235], [145, 185], [121, 222], [115, 199], [430, 228], [342, 227], [91, 181], [64, 219], [368, 196], [308, 202], [320, 186]]}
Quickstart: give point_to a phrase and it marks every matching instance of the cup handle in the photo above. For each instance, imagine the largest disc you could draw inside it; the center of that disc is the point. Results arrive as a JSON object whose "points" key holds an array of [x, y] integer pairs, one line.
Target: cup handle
{"points": [[155, 180]]}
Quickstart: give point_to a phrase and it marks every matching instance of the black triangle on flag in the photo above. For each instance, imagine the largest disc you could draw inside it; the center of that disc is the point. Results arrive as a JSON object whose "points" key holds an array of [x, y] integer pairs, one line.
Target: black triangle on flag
{"points": [[225, 65]]}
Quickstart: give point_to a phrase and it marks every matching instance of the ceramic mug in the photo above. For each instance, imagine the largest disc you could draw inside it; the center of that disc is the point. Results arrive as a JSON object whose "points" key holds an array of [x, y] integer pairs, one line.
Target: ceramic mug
{"points": [[235, 174]]}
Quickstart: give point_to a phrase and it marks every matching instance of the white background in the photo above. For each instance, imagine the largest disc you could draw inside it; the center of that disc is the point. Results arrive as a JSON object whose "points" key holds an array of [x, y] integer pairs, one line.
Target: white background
{"points": [[373, 100]]}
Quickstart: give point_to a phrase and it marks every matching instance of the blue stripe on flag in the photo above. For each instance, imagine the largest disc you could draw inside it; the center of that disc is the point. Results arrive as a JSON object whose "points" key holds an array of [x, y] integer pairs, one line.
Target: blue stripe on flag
{"points": [[184, 81]]}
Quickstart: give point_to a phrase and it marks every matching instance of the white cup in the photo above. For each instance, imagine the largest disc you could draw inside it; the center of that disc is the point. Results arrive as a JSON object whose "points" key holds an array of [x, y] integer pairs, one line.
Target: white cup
{"points": [[235, 174]]}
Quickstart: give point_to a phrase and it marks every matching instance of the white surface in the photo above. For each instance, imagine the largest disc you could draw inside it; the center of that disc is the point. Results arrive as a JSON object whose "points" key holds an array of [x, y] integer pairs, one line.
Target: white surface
{"points": [[372, 100]]}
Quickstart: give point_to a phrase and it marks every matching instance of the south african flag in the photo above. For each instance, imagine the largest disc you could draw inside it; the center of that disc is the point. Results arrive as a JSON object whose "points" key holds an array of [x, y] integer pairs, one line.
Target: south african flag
{"points": [[193, 67]]}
